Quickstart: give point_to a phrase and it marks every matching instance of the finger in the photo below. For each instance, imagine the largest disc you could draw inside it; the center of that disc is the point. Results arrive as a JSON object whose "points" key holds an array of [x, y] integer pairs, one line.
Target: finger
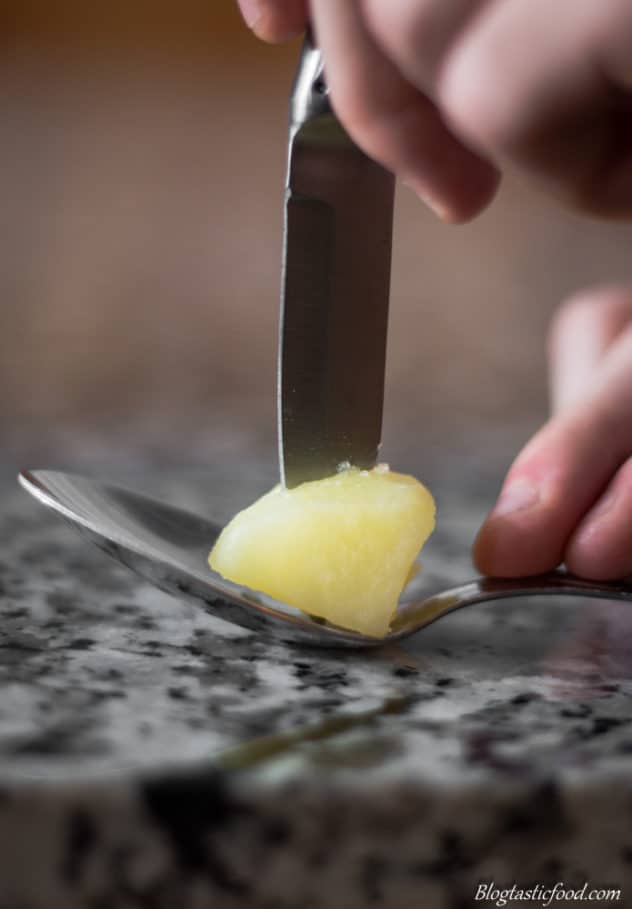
{"points": [[274, 20], [560, 477], [393, 121], [601, 545], [419, 34], [528, 85], [583, 330], [548, 489]]}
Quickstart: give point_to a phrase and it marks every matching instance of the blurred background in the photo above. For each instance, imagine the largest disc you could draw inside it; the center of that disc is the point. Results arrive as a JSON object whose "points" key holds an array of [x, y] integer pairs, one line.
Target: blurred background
{"points": [[141, 171]]}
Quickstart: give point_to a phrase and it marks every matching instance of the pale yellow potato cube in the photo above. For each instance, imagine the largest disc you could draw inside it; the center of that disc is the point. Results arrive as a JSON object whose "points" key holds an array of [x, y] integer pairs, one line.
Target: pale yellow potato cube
{"points": [[341, 548]]}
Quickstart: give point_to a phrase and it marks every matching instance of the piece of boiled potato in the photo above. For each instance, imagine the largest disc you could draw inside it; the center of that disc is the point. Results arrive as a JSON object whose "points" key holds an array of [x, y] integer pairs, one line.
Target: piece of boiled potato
{"points": [[341, 548]]}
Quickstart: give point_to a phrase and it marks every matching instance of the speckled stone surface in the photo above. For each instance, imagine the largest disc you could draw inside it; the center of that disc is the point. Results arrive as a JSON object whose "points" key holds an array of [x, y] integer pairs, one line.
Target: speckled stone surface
{"points": [[152, 756]]}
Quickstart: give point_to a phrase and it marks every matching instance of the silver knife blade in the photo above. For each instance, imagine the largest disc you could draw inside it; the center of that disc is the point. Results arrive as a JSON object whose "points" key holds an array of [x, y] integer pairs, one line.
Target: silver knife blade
{"points": [[335, 290]]}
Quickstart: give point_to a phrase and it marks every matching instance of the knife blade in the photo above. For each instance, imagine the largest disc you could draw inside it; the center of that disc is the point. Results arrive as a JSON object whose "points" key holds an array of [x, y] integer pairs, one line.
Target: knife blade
{"points": [[335, 290]]}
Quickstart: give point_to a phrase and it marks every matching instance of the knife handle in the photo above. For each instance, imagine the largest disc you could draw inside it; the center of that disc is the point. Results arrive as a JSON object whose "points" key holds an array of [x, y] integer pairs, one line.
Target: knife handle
{"points": [[310, 94]]}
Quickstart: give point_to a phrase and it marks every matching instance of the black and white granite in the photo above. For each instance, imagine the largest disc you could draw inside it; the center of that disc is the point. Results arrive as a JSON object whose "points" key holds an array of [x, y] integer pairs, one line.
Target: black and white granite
{"points": [[151, 756]]}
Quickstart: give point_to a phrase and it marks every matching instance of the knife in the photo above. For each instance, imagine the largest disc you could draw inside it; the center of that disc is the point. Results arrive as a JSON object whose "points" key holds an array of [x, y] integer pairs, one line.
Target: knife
{"points": [[335, 290]]}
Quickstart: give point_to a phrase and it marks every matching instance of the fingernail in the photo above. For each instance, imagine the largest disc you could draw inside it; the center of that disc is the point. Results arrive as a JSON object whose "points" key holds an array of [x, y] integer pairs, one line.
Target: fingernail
{"points": [[421, 191], [517, 496], [251, 11]]}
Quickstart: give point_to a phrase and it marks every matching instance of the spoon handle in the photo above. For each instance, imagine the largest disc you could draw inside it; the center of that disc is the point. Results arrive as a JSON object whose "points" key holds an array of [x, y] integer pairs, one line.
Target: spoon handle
{"points": [[416, 614]]}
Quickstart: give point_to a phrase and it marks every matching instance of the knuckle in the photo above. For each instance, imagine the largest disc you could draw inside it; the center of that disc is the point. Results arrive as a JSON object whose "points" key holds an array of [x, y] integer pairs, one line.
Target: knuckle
{"points": [[419, 34]]}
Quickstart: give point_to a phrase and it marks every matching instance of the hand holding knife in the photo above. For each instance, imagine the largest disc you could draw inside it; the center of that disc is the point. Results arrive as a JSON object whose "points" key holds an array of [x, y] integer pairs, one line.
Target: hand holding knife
{"points": [[335, 290]]}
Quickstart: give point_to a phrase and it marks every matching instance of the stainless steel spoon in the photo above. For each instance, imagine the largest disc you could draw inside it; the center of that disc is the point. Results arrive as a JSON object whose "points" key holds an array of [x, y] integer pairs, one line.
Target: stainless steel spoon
{"points": [[169, 547]]}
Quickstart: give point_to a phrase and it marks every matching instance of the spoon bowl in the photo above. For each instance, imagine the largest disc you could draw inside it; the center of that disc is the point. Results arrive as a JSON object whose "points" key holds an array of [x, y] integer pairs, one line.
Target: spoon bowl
{"points": [[169, 547]]}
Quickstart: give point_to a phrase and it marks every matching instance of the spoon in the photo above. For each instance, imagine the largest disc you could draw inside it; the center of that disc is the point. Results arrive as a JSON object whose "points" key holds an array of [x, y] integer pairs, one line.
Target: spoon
{"points": [[169, 547]]}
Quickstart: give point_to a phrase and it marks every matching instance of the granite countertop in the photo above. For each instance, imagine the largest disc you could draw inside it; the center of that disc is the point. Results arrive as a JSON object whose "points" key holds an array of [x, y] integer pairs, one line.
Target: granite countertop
{"points": [[153, 756]]}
